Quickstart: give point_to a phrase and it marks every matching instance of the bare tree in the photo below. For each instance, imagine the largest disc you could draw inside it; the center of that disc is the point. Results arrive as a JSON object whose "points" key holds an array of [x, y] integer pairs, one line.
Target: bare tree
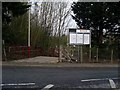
{"points": [[52, 18], [53, 15]]}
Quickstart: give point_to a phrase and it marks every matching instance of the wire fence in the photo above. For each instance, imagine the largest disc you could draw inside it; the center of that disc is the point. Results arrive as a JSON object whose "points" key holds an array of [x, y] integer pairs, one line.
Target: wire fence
{"points": [[86, 54]]}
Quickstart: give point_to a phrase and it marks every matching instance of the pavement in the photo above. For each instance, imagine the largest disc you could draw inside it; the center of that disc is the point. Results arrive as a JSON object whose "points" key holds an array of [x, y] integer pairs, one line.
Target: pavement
{"points": [[43, 61], [40, 59]]}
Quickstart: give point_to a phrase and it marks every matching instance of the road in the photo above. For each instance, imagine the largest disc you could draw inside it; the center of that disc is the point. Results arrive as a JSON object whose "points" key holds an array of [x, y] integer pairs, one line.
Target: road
{"points": [[62, 76]]}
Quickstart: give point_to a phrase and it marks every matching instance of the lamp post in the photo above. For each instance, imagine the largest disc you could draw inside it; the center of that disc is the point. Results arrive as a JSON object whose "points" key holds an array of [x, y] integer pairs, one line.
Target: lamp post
{"points": [[29, 33]]}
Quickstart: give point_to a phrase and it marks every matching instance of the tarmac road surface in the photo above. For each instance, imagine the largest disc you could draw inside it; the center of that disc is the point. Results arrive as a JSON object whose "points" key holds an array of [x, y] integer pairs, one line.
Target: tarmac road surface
{"points": [[106, 77]]}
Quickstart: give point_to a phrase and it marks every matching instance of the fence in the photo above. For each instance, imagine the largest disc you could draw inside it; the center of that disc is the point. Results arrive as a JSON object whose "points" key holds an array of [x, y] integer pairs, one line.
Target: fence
{"points": [[21, 52], [85, 54], [81, 54]]}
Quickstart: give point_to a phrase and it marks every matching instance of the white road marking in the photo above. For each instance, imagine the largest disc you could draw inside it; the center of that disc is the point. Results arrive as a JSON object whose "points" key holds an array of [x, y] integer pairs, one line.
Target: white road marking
{"points": [[48, 87], [112, 83], [19, 84], [116, 78], [87, 80], [93, 80]]}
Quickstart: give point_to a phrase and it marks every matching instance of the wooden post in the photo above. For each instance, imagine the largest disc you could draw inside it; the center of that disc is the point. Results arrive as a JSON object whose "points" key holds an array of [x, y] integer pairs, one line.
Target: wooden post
{"points": [[81, 54], [90, 53], [4, 51], [78, 53], [97, 54], [112, 56], [60, 54]]}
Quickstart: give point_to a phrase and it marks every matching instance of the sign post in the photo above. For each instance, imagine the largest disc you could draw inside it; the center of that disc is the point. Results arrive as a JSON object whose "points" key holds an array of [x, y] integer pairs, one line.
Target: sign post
{"points": [[80, 37], [81, 59], [90, 50]]}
